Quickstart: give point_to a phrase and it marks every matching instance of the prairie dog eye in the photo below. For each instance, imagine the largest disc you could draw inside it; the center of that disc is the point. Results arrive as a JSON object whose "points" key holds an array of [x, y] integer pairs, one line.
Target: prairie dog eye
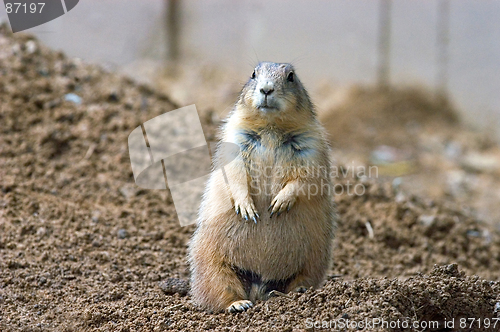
{"points": [[253, 75], [290, 77]]}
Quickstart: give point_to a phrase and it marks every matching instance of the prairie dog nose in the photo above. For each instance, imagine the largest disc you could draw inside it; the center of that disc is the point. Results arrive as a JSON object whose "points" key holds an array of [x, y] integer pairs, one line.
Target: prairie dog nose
{"points": [[267, 88]]}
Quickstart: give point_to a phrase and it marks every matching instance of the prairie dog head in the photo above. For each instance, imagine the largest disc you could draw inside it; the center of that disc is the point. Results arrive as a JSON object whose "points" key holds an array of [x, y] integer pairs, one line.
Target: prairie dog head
{"points": [[275, 90]]}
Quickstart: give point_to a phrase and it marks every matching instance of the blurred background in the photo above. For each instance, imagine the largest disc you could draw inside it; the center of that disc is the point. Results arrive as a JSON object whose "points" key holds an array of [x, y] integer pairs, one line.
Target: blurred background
{"points": [[440, 44], [409, 85]]}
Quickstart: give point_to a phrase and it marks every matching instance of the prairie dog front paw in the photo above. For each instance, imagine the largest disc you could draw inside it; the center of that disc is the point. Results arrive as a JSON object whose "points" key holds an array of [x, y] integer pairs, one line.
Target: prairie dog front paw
{"points": [[282, 202], [247, 209]]}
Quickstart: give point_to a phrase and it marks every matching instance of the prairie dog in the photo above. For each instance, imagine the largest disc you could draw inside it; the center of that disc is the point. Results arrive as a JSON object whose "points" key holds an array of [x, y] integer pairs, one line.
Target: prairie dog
{"points": [[277, 235]]}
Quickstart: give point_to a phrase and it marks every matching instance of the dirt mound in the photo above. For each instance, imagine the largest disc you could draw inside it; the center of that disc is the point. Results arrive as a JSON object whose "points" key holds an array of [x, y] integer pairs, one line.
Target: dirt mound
{"points": [[368, 117], [83, 249], [409, 236], [421, 303], [411, 134]]}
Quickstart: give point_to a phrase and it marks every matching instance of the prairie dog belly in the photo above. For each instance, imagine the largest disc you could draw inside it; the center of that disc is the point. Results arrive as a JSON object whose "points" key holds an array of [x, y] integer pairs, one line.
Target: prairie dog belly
{"points": [[275, 247]]}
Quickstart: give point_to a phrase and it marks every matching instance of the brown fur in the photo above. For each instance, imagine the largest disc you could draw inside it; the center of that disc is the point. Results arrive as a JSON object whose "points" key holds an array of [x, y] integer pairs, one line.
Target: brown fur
{"points": [[234, 261]]}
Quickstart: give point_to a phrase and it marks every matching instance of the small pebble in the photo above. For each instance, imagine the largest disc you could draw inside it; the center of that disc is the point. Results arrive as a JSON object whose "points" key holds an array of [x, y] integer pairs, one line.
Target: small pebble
{"points": [[427, 220], [174, 286], [42, 231], [122, 233], [74, 98], [473, 233], [30, 47]]}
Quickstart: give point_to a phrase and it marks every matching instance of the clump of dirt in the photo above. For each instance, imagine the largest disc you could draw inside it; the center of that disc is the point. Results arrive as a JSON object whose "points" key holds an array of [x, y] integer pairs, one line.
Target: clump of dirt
{"points": [[83, 249]]}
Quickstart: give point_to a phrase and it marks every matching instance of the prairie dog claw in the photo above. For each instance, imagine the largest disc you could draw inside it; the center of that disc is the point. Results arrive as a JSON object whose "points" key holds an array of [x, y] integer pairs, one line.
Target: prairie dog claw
{"points": [[281, 203], [247, 210], [239, 306]]}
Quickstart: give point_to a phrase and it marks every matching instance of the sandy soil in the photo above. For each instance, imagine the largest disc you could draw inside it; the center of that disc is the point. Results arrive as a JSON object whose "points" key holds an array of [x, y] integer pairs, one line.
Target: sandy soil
{"points": [[421, 141], [83, 249]]}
